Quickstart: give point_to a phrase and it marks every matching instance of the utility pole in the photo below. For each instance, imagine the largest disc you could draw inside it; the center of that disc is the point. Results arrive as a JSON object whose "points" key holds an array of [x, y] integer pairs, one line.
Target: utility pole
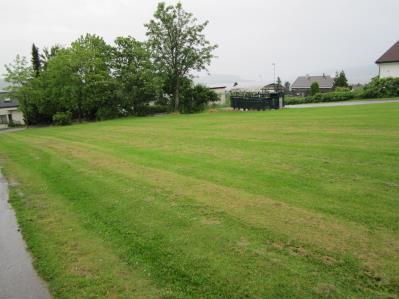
{"points": [[274, 73]]}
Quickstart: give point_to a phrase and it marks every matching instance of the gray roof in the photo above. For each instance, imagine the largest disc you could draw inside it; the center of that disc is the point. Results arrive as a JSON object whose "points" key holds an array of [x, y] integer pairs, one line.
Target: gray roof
{"points": [[8, 103], [306, 81]]}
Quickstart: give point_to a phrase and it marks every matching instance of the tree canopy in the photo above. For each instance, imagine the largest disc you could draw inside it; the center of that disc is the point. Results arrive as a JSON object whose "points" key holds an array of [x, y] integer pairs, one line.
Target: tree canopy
{"points": [[178, 45], [314, 88], [340, 80], [91, 79]]}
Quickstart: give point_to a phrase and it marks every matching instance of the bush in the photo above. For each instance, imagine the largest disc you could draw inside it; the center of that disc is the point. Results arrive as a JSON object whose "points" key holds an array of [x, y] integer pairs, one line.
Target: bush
{"points": [[294, 100], [330, 97], [314, 88], [381, 88], [104, 113], [62, 118], [151, 110], [342, 89], [196, 98]]}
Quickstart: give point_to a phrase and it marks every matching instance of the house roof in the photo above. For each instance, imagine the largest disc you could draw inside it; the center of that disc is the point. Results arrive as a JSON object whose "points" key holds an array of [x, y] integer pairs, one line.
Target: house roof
{"points": [[392, 55], [217, 87], [4, 103], [305, 82]]}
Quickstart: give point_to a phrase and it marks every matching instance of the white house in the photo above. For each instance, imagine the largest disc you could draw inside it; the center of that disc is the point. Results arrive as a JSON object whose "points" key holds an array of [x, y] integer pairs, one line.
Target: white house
{"points": [[9, 113], [221, 92], [389, 63]]}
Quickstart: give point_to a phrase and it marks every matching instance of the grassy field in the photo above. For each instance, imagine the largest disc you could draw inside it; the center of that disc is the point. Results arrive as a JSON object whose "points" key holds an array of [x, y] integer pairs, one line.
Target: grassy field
{"points": [[294, 203]]}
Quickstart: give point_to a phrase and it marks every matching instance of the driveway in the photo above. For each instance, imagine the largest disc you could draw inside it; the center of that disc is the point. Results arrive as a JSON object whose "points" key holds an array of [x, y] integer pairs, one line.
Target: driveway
{"points": [[18, 279], [347, 103]]}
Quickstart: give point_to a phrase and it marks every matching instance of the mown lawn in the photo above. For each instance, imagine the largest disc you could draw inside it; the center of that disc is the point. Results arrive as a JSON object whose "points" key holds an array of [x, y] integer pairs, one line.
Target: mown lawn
{"points": [[295, 203]]}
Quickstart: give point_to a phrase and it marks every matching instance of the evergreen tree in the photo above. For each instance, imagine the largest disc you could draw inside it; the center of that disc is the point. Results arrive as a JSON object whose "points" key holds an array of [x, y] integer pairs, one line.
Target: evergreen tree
{"points": [[287, 86], [36, 64], [279, 85], [314, 88], [340, 80]]}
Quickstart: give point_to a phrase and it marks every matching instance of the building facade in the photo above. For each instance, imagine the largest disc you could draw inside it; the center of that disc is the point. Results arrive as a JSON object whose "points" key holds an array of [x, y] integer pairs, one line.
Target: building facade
{"points": [[221, 92], [301, 86], [9, 112], [388, 63]]}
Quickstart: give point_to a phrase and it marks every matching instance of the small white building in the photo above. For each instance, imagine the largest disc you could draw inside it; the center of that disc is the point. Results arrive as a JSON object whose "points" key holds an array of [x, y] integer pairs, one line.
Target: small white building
{"points": [[389, 63], [9, 113], [221, 92]]}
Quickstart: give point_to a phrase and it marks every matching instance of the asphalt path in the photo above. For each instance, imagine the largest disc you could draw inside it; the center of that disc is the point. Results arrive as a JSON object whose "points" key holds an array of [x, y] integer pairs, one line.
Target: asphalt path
{"points": [[347, 103], [18, 279]]}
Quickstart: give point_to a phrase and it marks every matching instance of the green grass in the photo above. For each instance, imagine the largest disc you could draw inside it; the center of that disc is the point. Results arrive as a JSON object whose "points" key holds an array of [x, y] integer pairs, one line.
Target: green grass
{"points": [[278, 204]]}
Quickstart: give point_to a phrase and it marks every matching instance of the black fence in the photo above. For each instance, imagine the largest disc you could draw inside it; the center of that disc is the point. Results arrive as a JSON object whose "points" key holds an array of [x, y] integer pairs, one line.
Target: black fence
{"points": [[257, 101]]}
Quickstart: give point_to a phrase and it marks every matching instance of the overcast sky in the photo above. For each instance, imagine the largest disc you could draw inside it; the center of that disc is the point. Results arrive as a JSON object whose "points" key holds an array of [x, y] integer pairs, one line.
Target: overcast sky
{"points": [[300, 36]]}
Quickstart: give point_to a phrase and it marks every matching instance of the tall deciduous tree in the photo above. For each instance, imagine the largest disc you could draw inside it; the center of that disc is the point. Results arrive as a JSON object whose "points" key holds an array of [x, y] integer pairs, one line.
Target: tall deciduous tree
{"points": [[137, 80], [178, 45], [47, 54], [36, 63]]}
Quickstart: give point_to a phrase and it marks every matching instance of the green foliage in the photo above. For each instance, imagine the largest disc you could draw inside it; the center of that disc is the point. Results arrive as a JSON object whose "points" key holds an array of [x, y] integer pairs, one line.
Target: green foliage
{"points": [[314, 88], [381, 88], [196, 98], [19, 72], [36, 63], [287, 86], [47, 54], [340, 80], [151, 110], [107, 112], [294, 100], [178, 45], [342, 89], [137, 80], [94, 80], [62, 118], [330, 97]]}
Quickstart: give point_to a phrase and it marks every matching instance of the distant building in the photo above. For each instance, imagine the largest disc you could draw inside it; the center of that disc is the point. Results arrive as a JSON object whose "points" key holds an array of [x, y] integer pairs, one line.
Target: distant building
{"points": [[9, 112], [221, 92], [389, 63], [301, 85], [273, 87]]}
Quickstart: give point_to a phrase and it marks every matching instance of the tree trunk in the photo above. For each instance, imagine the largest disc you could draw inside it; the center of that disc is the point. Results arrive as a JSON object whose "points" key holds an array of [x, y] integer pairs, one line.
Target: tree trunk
{"points": [[79, 112], [177, 95]]}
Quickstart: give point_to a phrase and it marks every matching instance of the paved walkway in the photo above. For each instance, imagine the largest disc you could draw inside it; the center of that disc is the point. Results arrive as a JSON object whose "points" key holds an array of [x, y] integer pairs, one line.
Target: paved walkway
{"points": [[18, 279], [348, 103], [11, 130]]}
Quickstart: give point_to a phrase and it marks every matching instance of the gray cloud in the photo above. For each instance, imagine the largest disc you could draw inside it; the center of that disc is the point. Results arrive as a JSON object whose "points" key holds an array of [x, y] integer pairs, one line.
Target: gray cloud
{"points": [[301, 36]]}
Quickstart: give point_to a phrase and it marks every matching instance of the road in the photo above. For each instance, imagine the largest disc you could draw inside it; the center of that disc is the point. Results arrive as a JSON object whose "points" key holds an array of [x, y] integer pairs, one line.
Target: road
{"points": [[348, 103], [18, 279]]}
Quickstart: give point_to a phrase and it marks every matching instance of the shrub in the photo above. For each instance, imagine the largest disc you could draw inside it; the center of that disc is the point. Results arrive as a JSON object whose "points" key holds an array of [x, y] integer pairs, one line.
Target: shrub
{"points": [[314, 88], [104, 113], [330, 97], [151, 110], [196, 98], [381, 88], [342, 89], [294, 100], [62, 118]]}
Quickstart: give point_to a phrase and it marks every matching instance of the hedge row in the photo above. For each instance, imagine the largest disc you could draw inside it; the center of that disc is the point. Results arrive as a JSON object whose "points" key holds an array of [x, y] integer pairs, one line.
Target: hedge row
{"points": [[377, 88]]}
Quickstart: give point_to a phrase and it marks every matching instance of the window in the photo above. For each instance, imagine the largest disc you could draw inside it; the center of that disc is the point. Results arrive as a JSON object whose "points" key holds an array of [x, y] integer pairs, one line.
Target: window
{"points": [[3, 119]]}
